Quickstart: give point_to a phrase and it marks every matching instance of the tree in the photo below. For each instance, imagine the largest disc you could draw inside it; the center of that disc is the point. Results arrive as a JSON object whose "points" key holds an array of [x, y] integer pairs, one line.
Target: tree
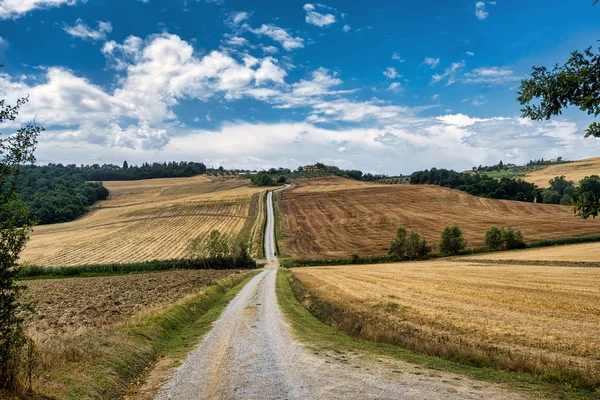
{"points": [[452, 240], [398, 247], [575, 83], [587, 203], [512, 240], [15, 150], [416, 247], [493, 238], [125, 165]]}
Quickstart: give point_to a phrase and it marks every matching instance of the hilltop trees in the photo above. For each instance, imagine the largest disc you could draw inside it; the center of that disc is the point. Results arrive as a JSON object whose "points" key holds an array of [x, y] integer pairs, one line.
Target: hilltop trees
{"points": [[15, 150]]}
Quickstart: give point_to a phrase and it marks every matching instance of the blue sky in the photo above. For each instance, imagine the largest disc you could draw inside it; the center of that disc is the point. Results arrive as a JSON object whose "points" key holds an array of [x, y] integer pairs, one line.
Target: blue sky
{"points": [[383, 86]]}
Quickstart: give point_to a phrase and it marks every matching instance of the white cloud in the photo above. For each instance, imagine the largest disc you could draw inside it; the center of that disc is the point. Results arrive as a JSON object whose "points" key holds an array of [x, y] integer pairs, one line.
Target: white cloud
{"points": [[280, 35], [432, 62], [17, 8], [449, 74], [346, 28], [470, 53], [3, 45], [236, 41], [397, 57], [270, 49], [237, 18], [395, 87], [391, 73], [315, 18], [491, 76], [435, 97], [475, 101], [480, 11], [269, 72], [83, 31]]}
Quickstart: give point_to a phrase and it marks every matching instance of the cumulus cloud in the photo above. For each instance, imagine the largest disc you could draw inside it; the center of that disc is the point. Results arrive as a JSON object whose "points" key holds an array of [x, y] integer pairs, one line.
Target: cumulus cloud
{"points": [[316, 18], [83, 31], [17, 8], [432, 62], [346, 28], [491, 76], [391, 73], [470, 53], [480, 11], [395, 87], [397, 57], [280, 35], [235, 19]]}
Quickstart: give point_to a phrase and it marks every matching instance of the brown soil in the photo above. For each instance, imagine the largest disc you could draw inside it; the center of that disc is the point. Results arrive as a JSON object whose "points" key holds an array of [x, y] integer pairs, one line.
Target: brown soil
{"points": [[334, 217], [70, 305]]}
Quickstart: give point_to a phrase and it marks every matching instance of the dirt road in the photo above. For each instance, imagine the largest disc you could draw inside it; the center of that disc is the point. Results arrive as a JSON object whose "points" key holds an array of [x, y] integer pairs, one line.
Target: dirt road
{"points": [[251, 354]]}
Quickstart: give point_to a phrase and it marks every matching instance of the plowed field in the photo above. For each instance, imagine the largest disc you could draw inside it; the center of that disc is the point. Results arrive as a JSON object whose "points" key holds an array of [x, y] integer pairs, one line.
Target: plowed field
{"points": [[146, 220], [334, 217]]}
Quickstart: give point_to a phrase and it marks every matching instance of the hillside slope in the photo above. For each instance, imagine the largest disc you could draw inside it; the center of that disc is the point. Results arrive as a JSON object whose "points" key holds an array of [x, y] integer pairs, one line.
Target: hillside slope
{"points": [[146, 220], [574, 171], [334, 217]]}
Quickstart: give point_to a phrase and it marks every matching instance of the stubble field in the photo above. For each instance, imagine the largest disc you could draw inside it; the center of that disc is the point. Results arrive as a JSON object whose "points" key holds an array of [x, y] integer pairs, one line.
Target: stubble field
{"points": [[147, 220], [333, 217], [574, 171], [540, 320]]}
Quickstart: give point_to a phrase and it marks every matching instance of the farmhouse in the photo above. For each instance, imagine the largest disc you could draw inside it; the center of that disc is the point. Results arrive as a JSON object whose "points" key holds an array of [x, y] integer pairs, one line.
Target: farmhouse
{"points": [[310, 168]]}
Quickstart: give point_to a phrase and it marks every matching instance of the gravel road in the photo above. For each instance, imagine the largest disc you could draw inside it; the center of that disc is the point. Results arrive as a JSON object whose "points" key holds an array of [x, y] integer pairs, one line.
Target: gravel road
{"points": [[251, 354]]}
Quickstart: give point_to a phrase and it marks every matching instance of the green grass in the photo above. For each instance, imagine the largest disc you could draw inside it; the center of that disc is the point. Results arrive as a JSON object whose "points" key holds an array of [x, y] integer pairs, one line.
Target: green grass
{"points": [[103, 365], [279, 234], [37, 272], [318, 335]]}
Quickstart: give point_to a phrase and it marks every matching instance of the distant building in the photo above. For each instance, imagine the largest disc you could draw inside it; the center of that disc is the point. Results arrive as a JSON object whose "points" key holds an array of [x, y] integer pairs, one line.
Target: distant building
{"points": [[553, 160], [310, 168]]}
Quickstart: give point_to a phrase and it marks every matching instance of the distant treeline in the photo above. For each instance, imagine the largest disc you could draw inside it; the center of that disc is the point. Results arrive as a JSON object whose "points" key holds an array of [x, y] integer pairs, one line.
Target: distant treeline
{"points": [[111, 172], [560, 191], [56, 193]]}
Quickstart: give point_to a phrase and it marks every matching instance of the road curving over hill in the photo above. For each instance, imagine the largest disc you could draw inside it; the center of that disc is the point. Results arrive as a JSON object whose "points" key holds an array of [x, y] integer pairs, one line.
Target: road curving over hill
{"points": [[251, 354]]}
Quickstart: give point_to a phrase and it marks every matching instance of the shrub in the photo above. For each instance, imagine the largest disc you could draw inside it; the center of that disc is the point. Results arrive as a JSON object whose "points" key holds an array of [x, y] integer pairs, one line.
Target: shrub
{"points": [[398, 247], [512, 240], [452, 240], [494, 239]]}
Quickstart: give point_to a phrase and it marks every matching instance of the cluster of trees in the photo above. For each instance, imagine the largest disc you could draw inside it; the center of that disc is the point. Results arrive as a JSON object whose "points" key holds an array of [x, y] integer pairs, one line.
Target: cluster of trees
{"points": [[534, 163], [111, 172], [498, 167], [408, 247], [504, 239], [56, 193], [266, 179], [479, 185], [587, 200], [218, 249], [560, 191]]}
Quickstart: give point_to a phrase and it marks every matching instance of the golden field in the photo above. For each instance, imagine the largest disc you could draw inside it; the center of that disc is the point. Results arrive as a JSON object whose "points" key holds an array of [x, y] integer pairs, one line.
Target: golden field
{"points": [[574, 171], [584, 253], [152, 219], [334, 217], [540, 320]]}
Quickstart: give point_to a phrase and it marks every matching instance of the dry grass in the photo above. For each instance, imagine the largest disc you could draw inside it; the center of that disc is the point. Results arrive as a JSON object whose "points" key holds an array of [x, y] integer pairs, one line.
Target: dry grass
{"points": [[146, 220], [574, 171], [586, 252], [541, 320], [334, 217]]}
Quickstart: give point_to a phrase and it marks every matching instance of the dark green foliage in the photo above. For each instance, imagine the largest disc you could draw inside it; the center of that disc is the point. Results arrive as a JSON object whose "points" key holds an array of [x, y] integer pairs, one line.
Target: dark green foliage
{"points": [[478, 185], [110, 172], [398, 247], [493, 238], [416, 248], [15, 150], [265, 179], [587, 203], [576, 83], [559, 188], [56, 193], [217, 248], [452, 240], [512, 240]]}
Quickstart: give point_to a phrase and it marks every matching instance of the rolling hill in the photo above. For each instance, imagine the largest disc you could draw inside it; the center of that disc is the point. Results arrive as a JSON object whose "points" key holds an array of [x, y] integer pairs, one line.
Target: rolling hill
{"points": [[574, 171]]}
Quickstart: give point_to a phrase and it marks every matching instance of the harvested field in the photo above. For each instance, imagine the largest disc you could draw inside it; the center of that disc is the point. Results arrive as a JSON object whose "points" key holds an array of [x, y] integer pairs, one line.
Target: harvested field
{"points": [[147, 220], [334, 217], [586, 252], [541, 320], [72, 305], [574, 171]]}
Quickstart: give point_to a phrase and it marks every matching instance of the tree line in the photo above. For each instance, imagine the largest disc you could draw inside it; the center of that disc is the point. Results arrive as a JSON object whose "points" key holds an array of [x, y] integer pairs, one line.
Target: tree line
{"points": [[126, 172]]}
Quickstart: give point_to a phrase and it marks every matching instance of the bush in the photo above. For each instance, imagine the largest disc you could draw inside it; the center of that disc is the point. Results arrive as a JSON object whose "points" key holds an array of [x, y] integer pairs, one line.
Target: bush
{"points": [[493, 238], [398, 247], [512, 240], [452, 240]]}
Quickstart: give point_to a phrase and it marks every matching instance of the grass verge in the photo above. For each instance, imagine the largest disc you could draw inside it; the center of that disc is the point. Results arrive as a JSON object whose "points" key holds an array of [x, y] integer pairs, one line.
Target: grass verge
{"points": [[36, 272], [104, 364], [313, 327]]}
